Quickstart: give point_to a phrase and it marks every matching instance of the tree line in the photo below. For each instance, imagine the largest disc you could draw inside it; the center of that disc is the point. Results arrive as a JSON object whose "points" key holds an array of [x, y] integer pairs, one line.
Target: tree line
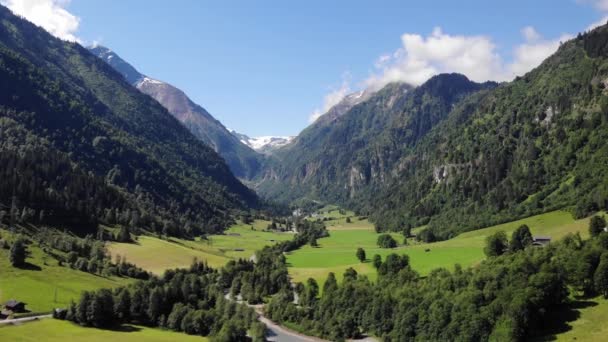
{"points": [[507, 297]]}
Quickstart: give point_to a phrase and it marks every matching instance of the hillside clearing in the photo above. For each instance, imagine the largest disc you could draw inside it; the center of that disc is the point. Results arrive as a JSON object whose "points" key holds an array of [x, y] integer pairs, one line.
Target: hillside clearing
{"points": [[157, 255]]}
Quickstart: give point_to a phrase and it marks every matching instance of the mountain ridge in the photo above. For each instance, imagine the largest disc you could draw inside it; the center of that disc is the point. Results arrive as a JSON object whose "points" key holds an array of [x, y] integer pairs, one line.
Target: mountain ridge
{"points": [[69, 103], [243, 161]]}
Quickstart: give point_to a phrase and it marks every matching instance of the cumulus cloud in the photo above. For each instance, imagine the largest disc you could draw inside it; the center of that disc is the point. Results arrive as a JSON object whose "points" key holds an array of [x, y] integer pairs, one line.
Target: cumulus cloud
{"points": [[49, 14], [421, 57], [530, 54], [332, 98]]}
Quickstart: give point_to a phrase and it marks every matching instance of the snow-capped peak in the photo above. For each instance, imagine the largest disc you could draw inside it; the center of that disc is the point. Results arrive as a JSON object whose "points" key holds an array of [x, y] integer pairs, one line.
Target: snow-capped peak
{"points": [[148, 80], [263, 144]]}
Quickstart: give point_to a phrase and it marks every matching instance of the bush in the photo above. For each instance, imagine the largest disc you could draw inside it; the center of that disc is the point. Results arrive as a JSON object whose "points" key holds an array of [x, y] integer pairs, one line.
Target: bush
{"points": [[386, 241]]}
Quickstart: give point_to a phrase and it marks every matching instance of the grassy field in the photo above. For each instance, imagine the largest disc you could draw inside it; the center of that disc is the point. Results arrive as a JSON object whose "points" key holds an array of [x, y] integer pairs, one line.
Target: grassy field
{"points": [[51, 330], [38, 283], [156, 255], [337, 252], [582, 320], [589, 324]]}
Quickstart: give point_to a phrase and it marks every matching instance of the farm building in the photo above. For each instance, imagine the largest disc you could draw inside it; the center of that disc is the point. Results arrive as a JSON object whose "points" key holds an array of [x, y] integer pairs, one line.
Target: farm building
{"points": [[11, 307], [540, 240]]}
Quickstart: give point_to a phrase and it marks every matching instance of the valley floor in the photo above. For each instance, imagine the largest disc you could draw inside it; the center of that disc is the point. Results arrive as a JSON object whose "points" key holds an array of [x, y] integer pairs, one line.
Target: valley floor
{"points": [[336, 253], [156, 255]]}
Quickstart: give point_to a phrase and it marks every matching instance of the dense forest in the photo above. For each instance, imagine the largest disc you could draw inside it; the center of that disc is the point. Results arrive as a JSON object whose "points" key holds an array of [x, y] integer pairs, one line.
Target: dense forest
{"points": [[457, 155], [508, 297], [83, 145], [197, 301], [191, 301]]}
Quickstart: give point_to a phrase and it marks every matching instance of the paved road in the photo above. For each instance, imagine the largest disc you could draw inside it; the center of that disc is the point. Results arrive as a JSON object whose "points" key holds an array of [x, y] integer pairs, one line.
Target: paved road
{"points": [[282, 334], [24, 319]]}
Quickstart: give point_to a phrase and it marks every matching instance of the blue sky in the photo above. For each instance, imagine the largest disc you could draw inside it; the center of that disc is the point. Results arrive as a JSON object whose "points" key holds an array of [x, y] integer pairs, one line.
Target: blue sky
{"points": [[264, 67]]}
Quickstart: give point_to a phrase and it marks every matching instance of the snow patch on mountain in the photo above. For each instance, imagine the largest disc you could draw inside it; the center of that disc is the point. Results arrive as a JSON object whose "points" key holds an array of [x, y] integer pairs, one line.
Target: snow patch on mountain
{"points": [[263, 144], [148, 80]]}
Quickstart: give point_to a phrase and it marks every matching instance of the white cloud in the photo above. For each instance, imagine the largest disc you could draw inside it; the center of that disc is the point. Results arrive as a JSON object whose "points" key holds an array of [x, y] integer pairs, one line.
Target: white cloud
{"points": [[49, 14], [422, 57], [530, 34], [529, 55], [332, 98]]}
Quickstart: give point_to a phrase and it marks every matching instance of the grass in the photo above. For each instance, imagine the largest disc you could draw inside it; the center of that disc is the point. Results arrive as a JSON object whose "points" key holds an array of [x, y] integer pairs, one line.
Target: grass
{"points": [[51, 330], [590, 322], [156, 255], [581, 320], [336, 220], [38, 283], [337, 252]]}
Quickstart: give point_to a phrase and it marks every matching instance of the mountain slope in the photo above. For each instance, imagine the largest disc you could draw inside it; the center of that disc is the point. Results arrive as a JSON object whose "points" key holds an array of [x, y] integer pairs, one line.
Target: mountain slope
{"points": [[348, 153], [243, 161], [458, 155], [60, 100], [532, 145]]}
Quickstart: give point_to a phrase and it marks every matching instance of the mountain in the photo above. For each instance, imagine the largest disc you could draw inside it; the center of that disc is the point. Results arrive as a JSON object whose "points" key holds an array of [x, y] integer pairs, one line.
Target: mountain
{"points": [[348, 102], [80, 145], [457, 155], [355, 146], [265, 144], [242, 160], [535, 144]]}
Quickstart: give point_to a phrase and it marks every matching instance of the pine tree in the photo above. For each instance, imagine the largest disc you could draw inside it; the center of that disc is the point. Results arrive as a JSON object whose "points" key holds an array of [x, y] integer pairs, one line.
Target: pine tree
{"points": [[520, 239], [156, 304], [601, 276], [122, 305], [18, 253], [496, 244], [377, 261], [124, 235], [361, 254], [596, 225]]}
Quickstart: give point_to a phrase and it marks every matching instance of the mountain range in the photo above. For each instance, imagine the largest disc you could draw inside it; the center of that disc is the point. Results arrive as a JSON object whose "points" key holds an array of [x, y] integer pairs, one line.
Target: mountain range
{"points": [[240, 157], [451, 154], [263, 144], [458, 155], [82, 145]]}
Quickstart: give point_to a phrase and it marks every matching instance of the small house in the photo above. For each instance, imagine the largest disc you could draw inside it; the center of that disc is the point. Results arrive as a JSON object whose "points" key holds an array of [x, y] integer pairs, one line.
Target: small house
{"points": [[14, 306], [540, 241]]}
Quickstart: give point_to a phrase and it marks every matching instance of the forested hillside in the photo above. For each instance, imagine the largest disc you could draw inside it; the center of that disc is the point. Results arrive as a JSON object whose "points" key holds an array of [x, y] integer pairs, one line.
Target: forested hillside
{"points": [[536, 144], [86, 146], [460, 155], [347, 158], [242, 160]]}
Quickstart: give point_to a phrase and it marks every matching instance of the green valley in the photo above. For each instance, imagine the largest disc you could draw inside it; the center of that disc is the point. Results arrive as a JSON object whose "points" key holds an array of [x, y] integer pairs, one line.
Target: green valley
{"points": [[336, 253], [239, 241]]}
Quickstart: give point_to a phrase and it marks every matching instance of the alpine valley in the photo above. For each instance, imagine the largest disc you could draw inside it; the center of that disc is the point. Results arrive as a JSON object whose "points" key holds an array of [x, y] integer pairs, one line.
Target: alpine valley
{"points": [[452, 210]]}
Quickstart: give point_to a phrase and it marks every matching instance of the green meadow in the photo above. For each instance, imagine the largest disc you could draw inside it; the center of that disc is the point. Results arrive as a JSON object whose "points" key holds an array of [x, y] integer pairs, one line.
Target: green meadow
{"points": [[45, 285], [51, 330], [337, 252], [156, 255]]}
